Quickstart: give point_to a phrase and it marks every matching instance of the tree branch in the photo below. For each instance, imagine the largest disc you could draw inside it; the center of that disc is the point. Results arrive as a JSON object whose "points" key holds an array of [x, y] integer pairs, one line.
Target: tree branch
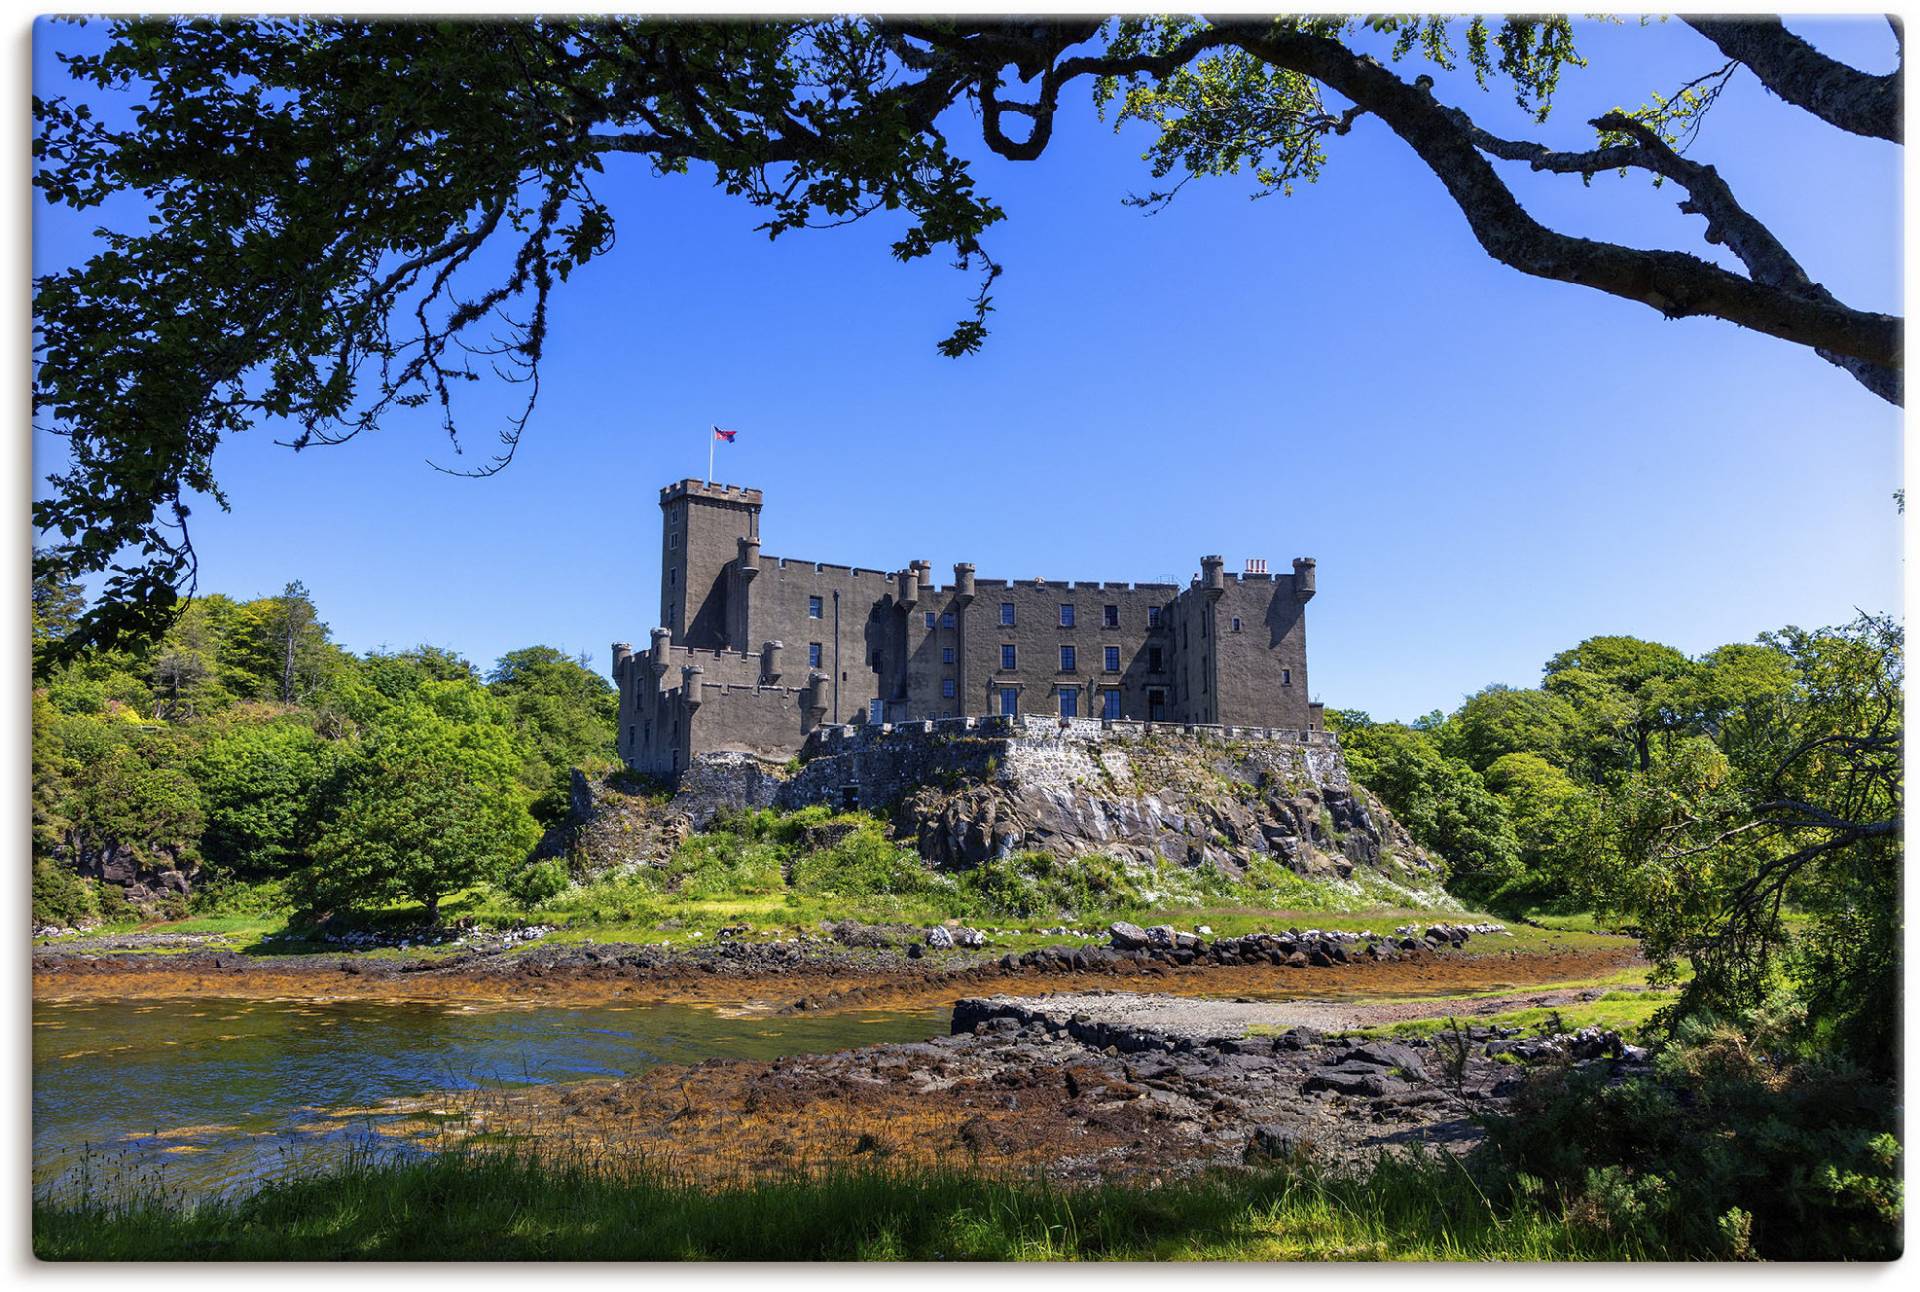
{"points": [[1841, 96], [1676, 284]]}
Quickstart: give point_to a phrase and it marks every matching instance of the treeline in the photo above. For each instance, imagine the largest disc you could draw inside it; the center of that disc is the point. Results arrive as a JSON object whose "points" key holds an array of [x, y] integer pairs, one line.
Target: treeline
{"points": [[246, 751], [1741, 810]]}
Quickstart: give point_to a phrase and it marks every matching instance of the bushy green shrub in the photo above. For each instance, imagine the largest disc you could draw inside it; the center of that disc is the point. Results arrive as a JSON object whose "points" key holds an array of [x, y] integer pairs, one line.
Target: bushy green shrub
{"points": [[235, 898], [723, 864], [541, 882], [632, 896], [63, 898], [1725, 1150], [1038, 884], [863, 863]]}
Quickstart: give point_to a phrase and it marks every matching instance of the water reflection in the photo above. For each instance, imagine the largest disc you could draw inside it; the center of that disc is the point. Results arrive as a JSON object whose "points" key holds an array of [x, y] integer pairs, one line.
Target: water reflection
{"points": [[211, 1095]]}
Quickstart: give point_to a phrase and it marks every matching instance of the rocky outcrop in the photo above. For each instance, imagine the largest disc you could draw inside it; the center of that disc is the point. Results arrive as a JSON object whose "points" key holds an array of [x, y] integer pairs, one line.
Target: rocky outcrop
{"points": [[146, 881], [970, 791], [1185, 799], [621, 819]]}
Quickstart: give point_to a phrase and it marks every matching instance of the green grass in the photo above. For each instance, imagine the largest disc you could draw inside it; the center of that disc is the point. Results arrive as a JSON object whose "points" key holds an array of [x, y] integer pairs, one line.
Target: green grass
{"points": [[480, 1206], [1626, 1012]]}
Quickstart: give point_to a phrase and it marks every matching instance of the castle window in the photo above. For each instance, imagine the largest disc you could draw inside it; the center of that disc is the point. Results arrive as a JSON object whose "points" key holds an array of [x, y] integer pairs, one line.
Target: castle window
{"points": [[1203, 675], [1153, 616], [1286, 677], [946, 688], [1155, 662], [813, 654], [946, 619], [933, 618], [946, 654], [1066, 616], [672, 576], [1009, 700], [813, 607], [1006, 614], [1236, 623], [1113, 659], [1069, 704], [1110, 616], [1204, 617], [673, 542], [1066, 659], [1007, 656], [1110, 705]]}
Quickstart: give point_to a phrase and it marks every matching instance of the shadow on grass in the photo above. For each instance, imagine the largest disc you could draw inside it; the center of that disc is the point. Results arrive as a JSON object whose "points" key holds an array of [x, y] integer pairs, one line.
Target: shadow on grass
{"points": [[495, 1206]]}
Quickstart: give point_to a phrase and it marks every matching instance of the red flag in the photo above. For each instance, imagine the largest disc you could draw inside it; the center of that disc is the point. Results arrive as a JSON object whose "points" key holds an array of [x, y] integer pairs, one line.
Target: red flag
{"points": [[719, 434]]}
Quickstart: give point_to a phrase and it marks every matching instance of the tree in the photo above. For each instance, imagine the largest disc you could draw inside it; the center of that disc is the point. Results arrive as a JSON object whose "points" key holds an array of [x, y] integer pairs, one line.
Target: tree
{"points": [[428, 805], [57, 606], [1558, 824], [277, 648], [1503, 720], [1798, 807], [1444, 804], [259, 783], [362, 230], [567, 714], [134, 808], [1640, 688]]}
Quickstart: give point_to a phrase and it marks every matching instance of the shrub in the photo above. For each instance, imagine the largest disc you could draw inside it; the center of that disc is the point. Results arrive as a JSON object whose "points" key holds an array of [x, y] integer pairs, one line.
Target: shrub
{"points": [[534, 885], [631, 896], [723, 864], [233, 897], [61, 897], [1725, 1150], [862, 863]]}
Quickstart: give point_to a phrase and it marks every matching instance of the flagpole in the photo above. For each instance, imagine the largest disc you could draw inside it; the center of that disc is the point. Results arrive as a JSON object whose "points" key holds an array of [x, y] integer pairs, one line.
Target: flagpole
{"points": [[711, 437]]}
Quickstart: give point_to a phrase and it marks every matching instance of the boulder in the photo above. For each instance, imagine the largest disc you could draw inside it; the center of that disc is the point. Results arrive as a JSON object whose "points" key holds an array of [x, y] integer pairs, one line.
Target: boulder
{"points": [[1127, 937]]}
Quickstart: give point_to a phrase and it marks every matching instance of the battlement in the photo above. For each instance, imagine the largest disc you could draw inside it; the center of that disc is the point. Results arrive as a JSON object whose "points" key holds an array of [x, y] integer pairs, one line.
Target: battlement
{"points": [[847, 738], [692, 488], [785, 563], [1076, 585]]}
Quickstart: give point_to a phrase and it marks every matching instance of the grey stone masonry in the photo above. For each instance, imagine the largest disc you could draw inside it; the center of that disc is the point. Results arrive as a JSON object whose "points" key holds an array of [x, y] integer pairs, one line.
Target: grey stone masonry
{"points": [[758, 652]]}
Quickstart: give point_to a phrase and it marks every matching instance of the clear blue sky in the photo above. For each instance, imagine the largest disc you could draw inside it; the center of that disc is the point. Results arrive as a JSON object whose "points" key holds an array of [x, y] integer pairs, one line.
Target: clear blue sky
{"points": [[1488, 467]]}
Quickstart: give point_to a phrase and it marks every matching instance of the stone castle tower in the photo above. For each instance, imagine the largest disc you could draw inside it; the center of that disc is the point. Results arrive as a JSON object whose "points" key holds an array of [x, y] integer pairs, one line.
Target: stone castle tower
{"points": [[756, 652]]}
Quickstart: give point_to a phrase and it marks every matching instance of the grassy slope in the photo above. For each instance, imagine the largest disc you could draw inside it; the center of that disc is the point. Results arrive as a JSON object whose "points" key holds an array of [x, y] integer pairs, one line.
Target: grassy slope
{"points": [[478, 1207], [767, 874]]}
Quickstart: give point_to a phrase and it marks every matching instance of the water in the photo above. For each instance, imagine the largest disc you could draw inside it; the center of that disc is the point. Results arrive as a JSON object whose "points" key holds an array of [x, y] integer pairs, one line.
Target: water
{"points": [[211, 1095]]}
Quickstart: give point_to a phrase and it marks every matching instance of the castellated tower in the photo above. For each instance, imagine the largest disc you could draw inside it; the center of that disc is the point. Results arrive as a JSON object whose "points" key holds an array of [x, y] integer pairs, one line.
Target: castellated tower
{"points": [[705, 529]]}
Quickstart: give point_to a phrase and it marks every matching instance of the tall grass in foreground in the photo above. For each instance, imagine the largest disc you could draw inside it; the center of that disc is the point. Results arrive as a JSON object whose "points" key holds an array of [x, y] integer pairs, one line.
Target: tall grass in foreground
{"points": [[495, 1206]]}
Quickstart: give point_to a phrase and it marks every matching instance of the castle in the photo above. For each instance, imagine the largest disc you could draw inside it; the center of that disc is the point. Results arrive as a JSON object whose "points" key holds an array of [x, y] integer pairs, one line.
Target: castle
{"points": [[757, 652]]}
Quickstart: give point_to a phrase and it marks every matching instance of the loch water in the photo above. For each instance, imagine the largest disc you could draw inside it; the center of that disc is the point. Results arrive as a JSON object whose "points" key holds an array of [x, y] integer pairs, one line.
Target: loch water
{"points": [[210, 1096]]}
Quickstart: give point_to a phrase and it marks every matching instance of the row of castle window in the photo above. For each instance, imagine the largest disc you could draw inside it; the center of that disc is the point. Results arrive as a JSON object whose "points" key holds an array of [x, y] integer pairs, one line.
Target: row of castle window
{"points": [[1109, 616], [1069, 703], [1069, 659]]}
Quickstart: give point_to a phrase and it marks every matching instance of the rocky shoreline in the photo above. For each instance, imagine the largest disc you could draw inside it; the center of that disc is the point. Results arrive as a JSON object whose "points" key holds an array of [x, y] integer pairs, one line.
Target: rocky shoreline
{"points": [[844, 970], [1076, 1087]]}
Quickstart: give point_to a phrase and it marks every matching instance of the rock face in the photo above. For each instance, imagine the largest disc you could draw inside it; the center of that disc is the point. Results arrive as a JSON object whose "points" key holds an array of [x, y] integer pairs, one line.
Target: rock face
{"points": [[145, 882], [1190, 800], [972, 791], [615, 820]]}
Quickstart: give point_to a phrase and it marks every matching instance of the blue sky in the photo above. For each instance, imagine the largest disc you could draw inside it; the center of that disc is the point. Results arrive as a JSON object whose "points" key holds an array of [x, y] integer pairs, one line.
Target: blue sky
{"points": [[1488, 467]]}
